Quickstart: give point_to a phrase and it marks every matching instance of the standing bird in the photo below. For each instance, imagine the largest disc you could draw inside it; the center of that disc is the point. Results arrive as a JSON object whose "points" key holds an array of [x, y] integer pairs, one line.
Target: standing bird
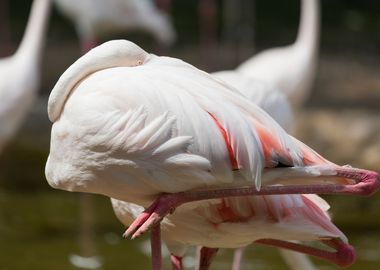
{"points": [[157, 132], [95, 18], [292, 68], [19, 73]]}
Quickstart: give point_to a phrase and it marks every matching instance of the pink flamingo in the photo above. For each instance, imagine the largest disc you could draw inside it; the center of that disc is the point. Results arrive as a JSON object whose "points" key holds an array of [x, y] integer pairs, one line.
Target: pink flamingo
{"points": [[157, 132]]}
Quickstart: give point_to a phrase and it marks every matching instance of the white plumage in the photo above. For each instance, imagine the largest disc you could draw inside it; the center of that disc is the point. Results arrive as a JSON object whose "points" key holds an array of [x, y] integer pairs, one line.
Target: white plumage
{"points": [[112, 117], [19, 74], [272, 100], [292, 68], [95, 18]]}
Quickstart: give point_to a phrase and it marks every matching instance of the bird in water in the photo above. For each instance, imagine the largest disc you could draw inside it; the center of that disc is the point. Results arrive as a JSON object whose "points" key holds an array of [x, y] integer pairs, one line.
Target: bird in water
{"points": [[19, 73], [157, 132]]}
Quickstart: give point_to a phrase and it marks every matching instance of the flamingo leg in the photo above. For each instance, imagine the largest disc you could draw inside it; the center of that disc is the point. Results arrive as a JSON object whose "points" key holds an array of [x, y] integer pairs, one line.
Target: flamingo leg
{"points": [[155, 242], [176, 262], [343, 256], [365, 183], [238, 256], [206, 257]]}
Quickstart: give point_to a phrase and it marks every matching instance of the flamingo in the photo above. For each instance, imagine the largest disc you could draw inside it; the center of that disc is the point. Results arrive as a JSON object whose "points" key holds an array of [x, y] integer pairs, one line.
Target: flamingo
{"points": [[292, 68], [19, 73], [159, 133], [95, 18]]}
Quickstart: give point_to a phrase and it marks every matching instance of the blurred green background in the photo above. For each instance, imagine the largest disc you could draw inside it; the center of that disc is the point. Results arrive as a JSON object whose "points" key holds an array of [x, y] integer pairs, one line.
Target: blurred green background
{"points": [[39, 226]]}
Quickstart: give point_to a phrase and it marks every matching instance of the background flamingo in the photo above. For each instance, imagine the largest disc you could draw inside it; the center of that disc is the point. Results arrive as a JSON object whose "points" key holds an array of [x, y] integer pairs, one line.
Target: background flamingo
{"points": [[292, 68], [20, 73], [140, 161], [96, 18]]}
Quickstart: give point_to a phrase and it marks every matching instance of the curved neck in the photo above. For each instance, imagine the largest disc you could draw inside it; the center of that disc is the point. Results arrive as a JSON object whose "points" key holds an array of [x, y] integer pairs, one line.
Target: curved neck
{"points": [[34, 35], [308, 31]]}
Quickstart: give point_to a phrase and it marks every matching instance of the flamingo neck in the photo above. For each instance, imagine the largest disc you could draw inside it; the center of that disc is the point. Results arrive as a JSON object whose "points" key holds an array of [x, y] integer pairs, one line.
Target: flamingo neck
{"points": [[34, 35], [308, 31]]}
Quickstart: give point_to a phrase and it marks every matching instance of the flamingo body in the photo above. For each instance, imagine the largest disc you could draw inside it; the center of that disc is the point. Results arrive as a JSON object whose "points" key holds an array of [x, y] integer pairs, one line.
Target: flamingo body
{"points": [[139, 96]]}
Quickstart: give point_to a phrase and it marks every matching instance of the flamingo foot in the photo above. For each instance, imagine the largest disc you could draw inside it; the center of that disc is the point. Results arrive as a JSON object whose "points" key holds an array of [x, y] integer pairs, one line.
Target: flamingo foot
{"points": [[365, 184], [153, 215], [206, 257], [343, 256]]}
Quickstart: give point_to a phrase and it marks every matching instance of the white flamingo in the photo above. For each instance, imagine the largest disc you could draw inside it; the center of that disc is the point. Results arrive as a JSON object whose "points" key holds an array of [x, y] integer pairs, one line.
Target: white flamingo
{"points": [[292, 68], [157, 132], [19, 73], [95, 18]]}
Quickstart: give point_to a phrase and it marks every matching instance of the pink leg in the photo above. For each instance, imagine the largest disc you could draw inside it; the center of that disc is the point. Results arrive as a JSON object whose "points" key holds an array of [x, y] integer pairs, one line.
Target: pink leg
{"points": [[176, 262], [155, 242], [343, 256], [206, 257], [238, 256], [366, 183]]}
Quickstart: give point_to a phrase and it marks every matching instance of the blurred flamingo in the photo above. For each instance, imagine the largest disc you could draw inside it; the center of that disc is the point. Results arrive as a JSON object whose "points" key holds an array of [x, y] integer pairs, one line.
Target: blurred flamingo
{"points": [[292, 68], [19, 73], [157, 132], [96, 18]]}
